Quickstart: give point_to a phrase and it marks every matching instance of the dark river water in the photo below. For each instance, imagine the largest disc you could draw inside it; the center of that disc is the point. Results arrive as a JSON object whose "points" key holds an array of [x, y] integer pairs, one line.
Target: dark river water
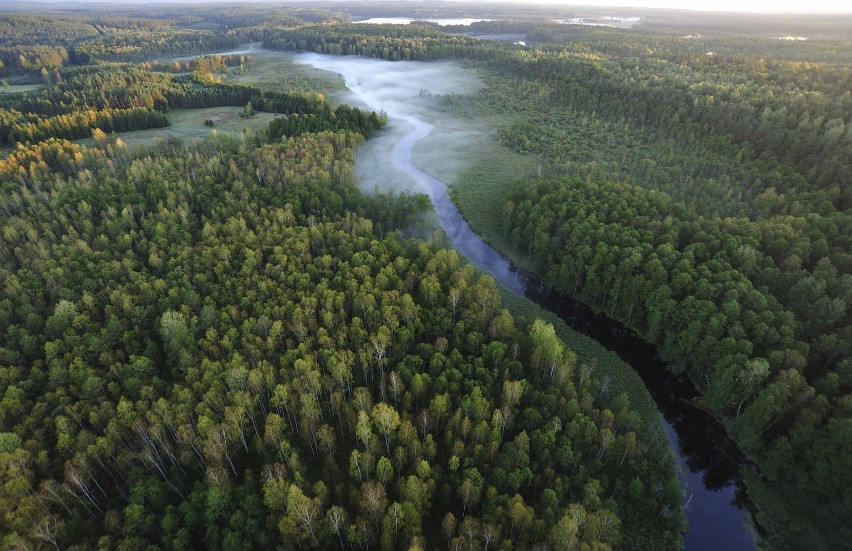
{"points": [[710, 461], [714, 499]]}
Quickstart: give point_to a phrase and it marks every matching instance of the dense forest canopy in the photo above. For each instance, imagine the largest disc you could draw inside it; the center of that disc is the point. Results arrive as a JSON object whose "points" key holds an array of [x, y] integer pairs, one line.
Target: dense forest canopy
{"points": [[694, 183], [225, 344], [209, 347]]}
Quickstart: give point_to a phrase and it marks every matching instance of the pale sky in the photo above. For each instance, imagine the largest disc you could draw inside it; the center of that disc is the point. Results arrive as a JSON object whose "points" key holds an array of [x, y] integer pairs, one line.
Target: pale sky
{"points": [[759, 6], [756, 6]]}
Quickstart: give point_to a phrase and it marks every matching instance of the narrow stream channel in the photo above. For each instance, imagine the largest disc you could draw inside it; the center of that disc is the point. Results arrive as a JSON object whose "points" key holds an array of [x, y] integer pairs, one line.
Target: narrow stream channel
{"points": [[714, 496]]}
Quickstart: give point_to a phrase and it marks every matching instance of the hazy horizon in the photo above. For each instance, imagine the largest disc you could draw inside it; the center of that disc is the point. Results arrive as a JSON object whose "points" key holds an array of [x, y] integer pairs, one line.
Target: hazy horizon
{"points": [[816, 7], [732, 6]]}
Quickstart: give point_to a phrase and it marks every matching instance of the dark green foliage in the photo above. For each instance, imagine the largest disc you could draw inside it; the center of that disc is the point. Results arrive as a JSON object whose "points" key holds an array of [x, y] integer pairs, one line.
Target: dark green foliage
{"points": [[343, 118], [258, 350], [227, 346], [737, 341], [121, 98], [706, 205], [394, 42]]}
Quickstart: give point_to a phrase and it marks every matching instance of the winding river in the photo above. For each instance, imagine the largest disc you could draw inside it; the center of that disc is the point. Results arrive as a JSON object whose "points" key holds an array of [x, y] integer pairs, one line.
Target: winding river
{"points": [[714, 497]]}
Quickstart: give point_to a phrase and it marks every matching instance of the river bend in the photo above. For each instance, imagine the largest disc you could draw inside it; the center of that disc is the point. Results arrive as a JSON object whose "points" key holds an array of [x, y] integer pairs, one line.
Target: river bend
{"points": [[714, 496]]}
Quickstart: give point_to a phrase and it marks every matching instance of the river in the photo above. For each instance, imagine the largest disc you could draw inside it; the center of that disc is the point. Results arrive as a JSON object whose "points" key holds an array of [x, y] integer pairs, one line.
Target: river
{"points": [[714, 497]]}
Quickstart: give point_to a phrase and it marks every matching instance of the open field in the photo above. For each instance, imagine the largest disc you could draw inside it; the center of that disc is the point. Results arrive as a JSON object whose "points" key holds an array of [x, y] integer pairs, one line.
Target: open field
{"points": [[188, 124], [479, 192], [18, 82], [276, 71], [266, 71], [18, 88]]}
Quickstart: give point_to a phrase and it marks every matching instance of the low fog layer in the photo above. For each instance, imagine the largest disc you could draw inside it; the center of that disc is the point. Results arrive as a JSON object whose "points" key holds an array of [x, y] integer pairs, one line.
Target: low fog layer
{"points": [[405, 91], [402, 89], [407, 20]]}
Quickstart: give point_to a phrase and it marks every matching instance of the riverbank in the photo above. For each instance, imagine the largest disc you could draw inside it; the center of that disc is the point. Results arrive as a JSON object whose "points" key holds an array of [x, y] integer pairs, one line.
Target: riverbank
{"points": [[620, 377], [388, 163], [710, 462]]}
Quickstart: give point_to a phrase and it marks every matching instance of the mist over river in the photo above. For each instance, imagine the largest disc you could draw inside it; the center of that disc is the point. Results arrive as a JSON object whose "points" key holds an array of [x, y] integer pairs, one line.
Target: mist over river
{"points": [[713, 492]]}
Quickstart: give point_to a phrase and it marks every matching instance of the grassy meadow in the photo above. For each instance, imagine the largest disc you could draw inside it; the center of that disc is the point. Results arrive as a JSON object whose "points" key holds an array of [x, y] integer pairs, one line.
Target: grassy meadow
{"points": [[276, 71], [188, 124], [266, 70], [12, 88]]}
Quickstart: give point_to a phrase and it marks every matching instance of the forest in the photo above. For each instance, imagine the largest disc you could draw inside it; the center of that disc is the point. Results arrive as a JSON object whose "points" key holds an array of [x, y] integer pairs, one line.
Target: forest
{"points": [[224, 344], [232, 356]]}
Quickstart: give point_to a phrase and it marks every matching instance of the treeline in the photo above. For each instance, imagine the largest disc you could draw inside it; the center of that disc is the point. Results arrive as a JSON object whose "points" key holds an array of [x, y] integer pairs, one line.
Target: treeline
{"points": [[35, 45], [343, 118], [207, 346], [32, 59], [19, 28], [783, 130], [141, 45], [32, 44], [583, 71], [393, 42], [116, 98], [52, 155], [216, 65], [498, 26], [101, 87], [264, 24], [16, 127]]}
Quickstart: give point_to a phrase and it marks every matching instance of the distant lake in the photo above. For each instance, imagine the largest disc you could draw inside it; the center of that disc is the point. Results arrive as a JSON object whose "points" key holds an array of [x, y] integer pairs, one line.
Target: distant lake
{"points": [[406, 21]]}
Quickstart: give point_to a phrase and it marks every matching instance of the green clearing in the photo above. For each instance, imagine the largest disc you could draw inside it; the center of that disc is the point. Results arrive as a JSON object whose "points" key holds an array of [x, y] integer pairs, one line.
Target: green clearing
{"points": [[480, 191], [18, 82], [276, 71], [188, 124], [12, 88]]}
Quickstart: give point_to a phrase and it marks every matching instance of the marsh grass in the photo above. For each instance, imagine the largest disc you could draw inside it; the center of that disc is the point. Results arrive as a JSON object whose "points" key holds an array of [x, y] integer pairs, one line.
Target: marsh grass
{"points": [[276, 71], [480, 185], [480, 191]]}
